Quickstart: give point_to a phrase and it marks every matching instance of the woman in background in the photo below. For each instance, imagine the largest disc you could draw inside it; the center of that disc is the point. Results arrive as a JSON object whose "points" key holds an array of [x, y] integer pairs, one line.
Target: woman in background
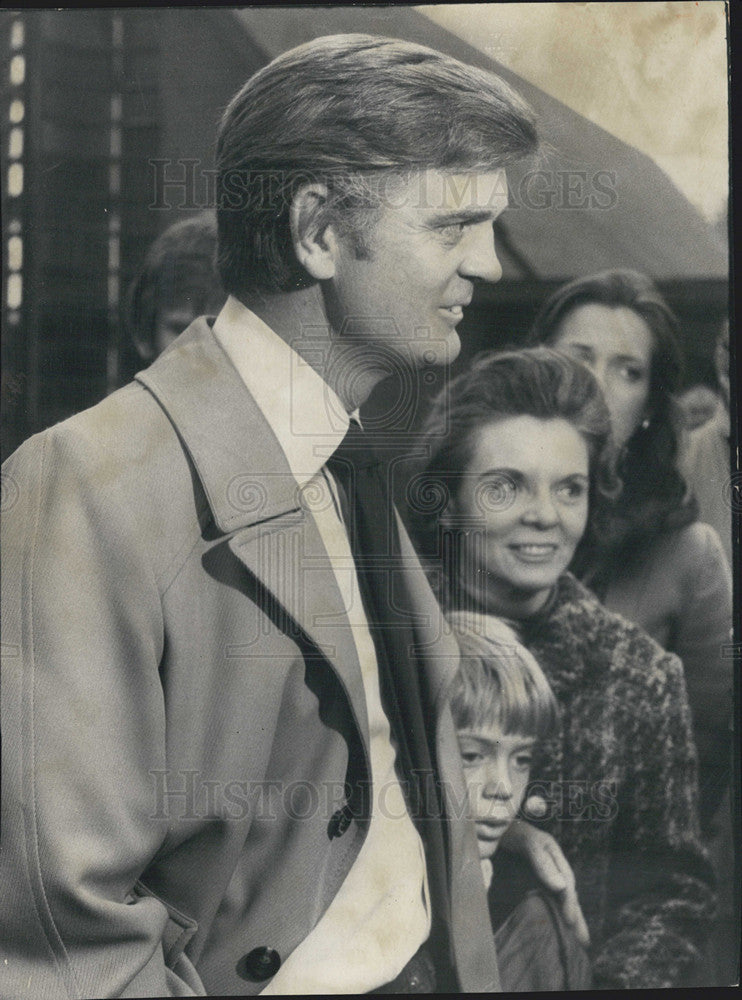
{"points": [[515, 450], [645, 554]]}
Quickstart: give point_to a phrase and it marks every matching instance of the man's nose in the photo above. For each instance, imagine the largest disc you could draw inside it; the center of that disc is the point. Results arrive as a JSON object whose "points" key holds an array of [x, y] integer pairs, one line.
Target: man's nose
{"points": [[480, 257]]}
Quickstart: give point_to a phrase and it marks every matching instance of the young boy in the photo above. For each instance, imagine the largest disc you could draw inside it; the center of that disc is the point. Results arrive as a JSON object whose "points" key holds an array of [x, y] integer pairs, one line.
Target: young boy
{"points": [[502, 705]]}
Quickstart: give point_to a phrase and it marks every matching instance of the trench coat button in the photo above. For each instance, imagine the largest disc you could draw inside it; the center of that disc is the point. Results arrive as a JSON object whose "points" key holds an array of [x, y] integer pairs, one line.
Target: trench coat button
{"points": [[259, 964], [339, 822]]}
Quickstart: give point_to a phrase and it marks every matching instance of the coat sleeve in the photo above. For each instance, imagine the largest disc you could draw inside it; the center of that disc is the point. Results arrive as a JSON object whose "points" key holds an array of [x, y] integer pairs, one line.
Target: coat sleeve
{"points": [[660, 898], [703, 644], [83, 728]]}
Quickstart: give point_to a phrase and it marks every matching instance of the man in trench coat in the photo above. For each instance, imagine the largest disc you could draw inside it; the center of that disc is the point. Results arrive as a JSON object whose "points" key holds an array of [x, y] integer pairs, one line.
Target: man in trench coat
{"points": [[191, 692]]}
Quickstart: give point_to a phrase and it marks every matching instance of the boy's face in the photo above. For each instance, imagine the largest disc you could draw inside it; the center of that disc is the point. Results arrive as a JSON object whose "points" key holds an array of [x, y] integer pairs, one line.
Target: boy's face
{"points": [[497, 768]]}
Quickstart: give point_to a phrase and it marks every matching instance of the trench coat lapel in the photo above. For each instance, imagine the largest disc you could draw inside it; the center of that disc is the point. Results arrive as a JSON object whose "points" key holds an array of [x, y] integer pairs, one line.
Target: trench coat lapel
{"points": [[288, 557], [253, 496]]}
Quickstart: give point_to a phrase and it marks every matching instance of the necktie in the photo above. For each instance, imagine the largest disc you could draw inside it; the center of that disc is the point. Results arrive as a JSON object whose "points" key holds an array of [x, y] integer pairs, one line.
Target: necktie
{"points": [[369, 515]]}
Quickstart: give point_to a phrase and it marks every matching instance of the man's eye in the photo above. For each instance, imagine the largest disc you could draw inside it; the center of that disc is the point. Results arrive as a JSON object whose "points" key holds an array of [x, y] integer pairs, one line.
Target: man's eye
{"points": [[524, 761], [471, 757], [452, 231]]}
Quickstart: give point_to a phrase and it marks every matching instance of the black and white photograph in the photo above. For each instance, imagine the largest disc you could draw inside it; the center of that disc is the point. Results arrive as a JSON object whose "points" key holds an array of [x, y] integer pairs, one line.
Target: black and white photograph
{"points": [[370, 500]]}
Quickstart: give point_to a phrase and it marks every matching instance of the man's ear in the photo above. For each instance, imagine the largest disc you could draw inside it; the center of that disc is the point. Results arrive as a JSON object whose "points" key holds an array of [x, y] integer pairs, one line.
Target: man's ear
{"points": [[314, 240]]}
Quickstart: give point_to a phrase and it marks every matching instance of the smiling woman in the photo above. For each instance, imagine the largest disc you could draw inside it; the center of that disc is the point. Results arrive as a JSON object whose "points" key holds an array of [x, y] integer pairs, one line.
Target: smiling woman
{"points": [[517, 449], [527, 480]]}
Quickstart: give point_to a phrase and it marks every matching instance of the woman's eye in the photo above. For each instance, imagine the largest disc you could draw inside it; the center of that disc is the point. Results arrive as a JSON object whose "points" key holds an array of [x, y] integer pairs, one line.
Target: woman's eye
{"points": [[496, 493], [572, 491]]}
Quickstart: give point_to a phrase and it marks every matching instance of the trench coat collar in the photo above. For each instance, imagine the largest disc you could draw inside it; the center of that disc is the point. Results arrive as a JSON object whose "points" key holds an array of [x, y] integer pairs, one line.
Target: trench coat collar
{"points": [[238, 458], [253, 495]]}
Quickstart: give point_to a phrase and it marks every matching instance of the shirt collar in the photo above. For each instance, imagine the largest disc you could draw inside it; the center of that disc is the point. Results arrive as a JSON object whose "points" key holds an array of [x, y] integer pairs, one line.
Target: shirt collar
{"points": [[303, 412]]}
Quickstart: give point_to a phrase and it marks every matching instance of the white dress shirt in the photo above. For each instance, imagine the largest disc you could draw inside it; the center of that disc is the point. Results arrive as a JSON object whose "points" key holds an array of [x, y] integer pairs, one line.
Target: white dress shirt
{"points": [[381, 913]]}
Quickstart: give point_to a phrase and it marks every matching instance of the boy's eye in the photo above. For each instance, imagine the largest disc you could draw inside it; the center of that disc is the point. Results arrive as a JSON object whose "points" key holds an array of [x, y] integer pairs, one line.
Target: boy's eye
{"points": [[471, 757], [632, 373], [524, 760]]}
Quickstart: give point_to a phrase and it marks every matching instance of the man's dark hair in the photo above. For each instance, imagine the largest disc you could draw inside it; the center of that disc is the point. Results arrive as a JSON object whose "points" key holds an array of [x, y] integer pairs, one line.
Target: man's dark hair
{"points": [[346, 111]]}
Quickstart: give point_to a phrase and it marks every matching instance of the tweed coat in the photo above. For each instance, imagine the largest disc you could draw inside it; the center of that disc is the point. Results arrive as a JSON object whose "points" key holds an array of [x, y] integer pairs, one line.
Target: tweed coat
{"points": [[182, 702]]}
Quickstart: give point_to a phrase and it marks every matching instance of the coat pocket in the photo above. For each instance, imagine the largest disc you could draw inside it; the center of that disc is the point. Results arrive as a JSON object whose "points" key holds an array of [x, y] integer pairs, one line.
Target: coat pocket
{"points": [[179, 930]]}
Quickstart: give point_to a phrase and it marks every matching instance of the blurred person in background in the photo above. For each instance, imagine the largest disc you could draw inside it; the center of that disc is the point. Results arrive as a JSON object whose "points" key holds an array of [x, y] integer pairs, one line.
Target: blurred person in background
{"points": [[178, 282], [698, 404], [706, 462], [645, 553]]}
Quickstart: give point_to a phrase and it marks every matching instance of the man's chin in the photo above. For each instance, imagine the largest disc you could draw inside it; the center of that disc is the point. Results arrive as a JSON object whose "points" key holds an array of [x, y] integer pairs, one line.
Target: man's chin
{"points": [[441, 352]]}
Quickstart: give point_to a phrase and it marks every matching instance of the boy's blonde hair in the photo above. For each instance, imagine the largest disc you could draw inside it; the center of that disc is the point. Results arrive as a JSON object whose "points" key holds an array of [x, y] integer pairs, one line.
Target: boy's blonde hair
{"points": [[499, 682]]}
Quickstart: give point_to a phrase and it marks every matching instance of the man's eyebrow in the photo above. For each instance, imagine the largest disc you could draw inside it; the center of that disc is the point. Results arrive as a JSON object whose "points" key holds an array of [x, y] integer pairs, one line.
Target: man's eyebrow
{"points": [[472, 215]]}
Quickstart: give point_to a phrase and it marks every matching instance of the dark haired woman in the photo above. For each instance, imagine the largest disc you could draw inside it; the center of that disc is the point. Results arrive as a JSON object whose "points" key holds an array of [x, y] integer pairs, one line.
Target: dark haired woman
{"points": [[645, 554], [516, 447]]}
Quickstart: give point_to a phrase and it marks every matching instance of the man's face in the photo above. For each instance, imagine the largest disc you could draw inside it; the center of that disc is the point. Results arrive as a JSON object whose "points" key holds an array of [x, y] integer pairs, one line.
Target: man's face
{"points": [[433, 237]]}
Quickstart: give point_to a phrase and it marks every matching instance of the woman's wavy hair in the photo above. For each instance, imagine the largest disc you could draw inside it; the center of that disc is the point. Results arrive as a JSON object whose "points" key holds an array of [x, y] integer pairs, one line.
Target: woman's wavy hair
{"points": [[535, 382], [348, 111], [653, 496]]}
